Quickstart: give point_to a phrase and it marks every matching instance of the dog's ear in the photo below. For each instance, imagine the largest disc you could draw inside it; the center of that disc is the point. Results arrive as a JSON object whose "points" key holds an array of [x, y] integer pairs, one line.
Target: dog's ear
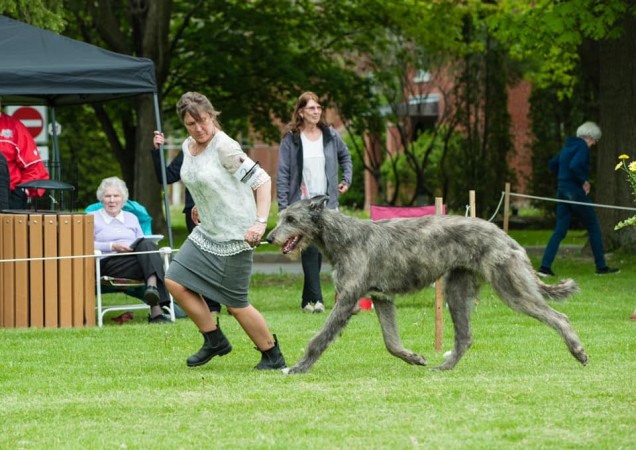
{"points": [[318, 202]]}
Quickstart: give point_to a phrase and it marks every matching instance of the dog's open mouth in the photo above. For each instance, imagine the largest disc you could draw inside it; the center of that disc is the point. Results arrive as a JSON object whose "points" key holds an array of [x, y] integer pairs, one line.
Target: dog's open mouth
{"points": [[291, 244]]}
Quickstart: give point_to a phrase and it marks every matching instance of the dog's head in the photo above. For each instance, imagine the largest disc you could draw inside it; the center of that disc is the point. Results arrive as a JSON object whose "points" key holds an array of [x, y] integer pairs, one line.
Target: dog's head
{"points": [[298, 225]]}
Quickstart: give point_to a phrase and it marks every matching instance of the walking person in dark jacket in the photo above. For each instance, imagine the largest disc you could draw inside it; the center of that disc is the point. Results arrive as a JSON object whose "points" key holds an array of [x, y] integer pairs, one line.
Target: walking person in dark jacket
{"points": [[572, 165], [309, 157]]}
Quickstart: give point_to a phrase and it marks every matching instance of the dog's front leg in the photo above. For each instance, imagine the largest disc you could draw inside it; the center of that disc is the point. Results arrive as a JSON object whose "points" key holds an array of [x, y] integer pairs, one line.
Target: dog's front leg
{"points": [[340, 315], [385, 309]]}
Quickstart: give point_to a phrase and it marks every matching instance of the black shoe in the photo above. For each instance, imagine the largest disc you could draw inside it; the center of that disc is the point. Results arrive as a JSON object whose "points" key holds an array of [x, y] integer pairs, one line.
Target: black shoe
{"points": [[545, 272], [271, 359], [151, 296], [214, 344], [607, 270], [159, 319]]}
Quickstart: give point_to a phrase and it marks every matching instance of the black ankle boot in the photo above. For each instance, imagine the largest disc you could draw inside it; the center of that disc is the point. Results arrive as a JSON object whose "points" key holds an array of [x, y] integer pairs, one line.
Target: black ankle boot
{"points": [[214, 344], [271, 359]]}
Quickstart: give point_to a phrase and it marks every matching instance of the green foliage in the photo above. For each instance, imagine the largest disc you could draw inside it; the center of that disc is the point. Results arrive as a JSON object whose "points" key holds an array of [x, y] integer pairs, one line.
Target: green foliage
{"points": [[548, 34], [259, 56], [630, 171], [425, 155], [354, 197], [46, 14], [254, 58], [482, 112]]}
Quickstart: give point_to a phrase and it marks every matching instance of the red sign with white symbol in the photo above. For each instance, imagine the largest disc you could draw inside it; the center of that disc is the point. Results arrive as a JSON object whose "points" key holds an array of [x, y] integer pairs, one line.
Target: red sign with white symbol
{"points": [[34, 119]]}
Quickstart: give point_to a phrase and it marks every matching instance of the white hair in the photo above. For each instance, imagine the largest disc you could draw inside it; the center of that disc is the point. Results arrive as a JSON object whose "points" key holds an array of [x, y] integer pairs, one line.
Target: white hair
{"points": [[589, 129], [112, 182]]}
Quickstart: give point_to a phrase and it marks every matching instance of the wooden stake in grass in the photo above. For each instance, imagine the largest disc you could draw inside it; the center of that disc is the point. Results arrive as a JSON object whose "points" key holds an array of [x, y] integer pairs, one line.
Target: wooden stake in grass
{"points": [[439, 300]]}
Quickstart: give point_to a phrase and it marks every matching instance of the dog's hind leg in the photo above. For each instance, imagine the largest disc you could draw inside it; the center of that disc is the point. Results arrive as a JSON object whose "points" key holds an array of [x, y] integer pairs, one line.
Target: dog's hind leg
{"points": [[544, 313], [460, 290], [519, 290], [340, 315], [385, 309]]}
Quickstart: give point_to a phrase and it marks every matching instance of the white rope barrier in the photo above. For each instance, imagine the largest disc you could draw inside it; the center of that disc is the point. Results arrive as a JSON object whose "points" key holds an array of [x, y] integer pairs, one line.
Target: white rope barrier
{"points": [[596, 205], [503, 194], [51, 258], [556, 200]]}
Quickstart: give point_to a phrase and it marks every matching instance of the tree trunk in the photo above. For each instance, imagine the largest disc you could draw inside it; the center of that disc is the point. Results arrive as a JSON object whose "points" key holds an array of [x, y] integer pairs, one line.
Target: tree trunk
{"points": [[617, 106]]}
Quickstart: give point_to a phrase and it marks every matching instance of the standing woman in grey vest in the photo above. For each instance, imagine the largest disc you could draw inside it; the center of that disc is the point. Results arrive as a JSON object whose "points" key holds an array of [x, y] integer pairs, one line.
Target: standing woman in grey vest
{"points": [[309, 158]]}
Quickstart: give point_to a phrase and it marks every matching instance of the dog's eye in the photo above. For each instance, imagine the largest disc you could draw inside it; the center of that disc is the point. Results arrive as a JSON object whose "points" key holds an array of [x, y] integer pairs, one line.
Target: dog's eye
{"points": [[291, 220]]}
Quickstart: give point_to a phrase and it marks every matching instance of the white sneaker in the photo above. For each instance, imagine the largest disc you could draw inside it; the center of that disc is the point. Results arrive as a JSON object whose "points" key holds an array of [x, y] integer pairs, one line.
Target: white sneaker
{"points": [[308, 308], [319, 307]]}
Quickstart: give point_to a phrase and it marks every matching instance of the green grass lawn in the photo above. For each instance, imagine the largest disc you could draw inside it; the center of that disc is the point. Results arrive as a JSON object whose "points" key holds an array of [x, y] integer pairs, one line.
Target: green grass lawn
{"points": [[518, 387]]}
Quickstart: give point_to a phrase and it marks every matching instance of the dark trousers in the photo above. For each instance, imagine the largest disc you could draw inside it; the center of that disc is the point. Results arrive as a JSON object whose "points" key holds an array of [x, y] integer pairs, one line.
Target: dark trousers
{"points": [[17, 199], [311, 260], [138, 266], [587, 216], [212, 305], [4, 183]]}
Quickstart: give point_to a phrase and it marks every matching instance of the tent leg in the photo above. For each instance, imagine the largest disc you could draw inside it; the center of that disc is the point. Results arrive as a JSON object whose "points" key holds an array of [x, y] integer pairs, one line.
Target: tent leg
{"points": [[163, 173]]}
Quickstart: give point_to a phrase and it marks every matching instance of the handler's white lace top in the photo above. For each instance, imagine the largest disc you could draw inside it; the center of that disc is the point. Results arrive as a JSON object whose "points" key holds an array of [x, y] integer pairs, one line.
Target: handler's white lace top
{"points": [[227, 207]]}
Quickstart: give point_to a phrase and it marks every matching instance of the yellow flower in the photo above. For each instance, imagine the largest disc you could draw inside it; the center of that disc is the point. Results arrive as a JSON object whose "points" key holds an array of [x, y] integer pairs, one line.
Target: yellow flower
{"points": [[623, 156], [618, 166], [632, 166]]}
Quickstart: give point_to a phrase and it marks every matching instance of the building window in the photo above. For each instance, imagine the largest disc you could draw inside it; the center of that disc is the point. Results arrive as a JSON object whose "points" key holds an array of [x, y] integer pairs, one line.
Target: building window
{"points": [[422, 76]]}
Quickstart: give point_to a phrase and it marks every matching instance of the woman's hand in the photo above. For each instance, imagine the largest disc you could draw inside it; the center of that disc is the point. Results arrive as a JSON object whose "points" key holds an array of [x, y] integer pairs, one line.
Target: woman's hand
{"points": [[194, 215], [120, 247], [587, 187], [255, 234], [158, 139], [343, 187]]}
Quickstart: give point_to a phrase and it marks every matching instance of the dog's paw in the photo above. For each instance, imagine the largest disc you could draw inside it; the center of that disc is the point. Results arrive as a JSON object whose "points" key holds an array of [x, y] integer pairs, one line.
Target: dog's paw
{"points": [[293, 370], [419, 360], [449, 364], [414, 359]]}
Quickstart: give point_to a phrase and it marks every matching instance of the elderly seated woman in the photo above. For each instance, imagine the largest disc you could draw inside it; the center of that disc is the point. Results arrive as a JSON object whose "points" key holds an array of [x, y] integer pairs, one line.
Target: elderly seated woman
{"points": [[115, 232]]}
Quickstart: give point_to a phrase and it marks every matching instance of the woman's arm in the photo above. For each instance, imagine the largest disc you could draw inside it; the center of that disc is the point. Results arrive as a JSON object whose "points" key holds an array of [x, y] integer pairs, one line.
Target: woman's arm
{"points": [[173, 170]]}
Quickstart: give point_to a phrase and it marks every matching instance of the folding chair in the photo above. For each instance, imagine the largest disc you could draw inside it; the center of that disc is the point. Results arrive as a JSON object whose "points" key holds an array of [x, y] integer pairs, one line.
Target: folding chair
{"points": [[135, 288]]}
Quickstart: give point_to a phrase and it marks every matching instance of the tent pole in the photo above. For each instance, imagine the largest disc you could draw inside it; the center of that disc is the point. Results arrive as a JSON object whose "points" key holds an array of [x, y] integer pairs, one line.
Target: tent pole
{"points": [[56, 173], [163, 173]]}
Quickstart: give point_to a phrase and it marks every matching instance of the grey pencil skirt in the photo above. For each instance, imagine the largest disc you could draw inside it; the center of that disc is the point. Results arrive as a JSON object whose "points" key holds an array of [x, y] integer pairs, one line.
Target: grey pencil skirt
{"points": [[225, 279]]}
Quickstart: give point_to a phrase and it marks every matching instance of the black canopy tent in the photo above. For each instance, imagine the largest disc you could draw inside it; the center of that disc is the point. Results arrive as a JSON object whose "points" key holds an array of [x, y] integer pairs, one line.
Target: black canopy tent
{"points": [[40, 67]]}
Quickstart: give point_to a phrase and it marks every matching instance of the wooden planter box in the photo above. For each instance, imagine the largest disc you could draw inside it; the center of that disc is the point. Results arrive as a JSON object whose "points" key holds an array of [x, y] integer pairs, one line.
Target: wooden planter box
{"points": [[52, 293]]}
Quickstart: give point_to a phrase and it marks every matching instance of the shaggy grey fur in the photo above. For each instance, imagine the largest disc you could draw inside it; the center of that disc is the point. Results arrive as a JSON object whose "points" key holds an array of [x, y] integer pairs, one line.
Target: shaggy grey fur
{"points": [[405, 255]]}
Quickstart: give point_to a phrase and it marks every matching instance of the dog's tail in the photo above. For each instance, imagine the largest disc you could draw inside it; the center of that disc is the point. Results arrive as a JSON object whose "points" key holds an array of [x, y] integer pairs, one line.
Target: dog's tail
{"points": [[559, 291]]}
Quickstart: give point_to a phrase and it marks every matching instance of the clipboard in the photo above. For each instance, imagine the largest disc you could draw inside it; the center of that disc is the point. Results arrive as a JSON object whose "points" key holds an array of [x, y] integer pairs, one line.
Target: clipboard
{"points": [[154, 238]]}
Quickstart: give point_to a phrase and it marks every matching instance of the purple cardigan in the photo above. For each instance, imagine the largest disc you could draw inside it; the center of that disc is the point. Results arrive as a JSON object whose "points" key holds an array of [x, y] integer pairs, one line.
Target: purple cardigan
{"points": [[115, 231]]}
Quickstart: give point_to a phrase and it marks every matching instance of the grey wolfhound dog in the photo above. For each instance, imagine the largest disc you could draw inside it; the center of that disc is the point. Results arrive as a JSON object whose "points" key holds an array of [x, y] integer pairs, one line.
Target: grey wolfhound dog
{"points": [[405, 255]]}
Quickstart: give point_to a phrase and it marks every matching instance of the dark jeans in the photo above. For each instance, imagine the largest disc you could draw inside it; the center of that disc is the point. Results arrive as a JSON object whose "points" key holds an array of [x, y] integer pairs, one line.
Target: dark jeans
{"points": [[587, 216], [311, 260], [212, 305], [138, 266]]}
